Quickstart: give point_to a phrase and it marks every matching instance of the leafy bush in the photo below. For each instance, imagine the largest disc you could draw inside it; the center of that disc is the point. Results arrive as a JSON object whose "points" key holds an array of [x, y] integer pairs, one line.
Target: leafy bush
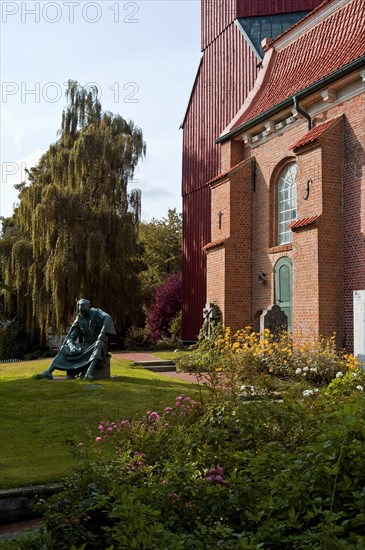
{"points": [[229, 475], [12, 342], [228, 472], [138, 337], [166, 305], [226, 359]]}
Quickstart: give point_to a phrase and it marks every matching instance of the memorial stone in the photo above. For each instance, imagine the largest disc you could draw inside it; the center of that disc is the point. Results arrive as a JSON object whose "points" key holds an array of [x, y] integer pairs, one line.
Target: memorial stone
{"points": [[273, 319]]}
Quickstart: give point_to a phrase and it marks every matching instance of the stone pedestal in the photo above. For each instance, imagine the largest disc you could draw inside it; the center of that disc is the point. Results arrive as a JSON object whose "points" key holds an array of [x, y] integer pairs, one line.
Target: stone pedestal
{"points": [[100, 372], [103, 372], [359, 326]]}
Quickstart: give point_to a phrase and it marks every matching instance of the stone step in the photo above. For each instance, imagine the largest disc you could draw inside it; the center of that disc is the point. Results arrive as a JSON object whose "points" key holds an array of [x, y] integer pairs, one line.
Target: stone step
{"points": [[158, 365]]}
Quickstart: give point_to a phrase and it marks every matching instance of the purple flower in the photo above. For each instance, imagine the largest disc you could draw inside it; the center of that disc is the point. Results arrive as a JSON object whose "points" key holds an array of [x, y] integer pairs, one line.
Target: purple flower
{"points": [[167, 410]]}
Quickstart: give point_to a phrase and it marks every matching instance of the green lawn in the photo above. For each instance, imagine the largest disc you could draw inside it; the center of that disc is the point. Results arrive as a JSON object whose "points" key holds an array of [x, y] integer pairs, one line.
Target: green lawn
{"points": [[40, 419]]}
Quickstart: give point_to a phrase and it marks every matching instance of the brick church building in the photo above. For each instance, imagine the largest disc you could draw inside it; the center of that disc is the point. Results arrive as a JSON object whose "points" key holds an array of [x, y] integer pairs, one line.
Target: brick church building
{"points": [[282, 217]]}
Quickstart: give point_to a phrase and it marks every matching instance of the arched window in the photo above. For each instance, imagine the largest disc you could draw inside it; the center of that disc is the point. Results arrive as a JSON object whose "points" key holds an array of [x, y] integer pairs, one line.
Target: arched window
{"points": [[287, 202]]}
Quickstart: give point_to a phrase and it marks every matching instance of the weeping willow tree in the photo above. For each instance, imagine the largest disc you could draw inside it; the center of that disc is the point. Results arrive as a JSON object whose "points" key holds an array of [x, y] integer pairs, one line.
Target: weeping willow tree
{"points": [[77, 223]]}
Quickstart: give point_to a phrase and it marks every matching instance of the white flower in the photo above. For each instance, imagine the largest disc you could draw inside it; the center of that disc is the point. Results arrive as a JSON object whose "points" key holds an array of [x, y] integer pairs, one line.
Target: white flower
{"points": [[339, 374], [313, 369], [354, 374], [298, 371], [305, 369], [361, 388], [306, 393]]}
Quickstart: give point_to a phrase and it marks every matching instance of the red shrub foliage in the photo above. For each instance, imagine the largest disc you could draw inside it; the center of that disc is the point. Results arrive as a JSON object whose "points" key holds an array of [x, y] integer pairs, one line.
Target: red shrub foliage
{"points": [[166, 305]]}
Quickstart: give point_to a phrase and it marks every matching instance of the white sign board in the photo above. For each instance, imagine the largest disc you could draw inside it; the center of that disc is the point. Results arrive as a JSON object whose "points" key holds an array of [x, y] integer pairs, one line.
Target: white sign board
{"points": [[359, 325]]}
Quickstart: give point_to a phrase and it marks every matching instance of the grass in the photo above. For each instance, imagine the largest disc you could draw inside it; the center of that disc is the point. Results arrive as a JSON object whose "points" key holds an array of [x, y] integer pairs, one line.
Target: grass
{"points": [[42, 420]]}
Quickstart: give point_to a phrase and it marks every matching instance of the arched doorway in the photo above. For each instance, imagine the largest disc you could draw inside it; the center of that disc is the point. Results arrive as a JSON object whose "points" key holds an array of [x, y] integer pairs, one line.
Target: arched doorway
{"points": [[283, 287]]}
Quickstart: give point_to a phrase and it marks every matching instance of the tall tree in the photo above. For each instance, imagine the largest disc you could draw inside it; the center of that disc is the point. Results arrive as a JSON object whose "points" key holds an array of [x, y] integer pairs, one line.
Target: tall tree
{"points": [[77, 223], [161, 241]]}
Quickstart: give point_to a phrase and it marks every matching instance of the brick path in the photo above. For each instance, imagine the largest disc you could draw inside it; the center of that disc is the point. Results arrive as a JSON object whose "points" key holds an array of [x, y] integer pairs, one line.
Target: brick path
{"points": [[12, 529]]}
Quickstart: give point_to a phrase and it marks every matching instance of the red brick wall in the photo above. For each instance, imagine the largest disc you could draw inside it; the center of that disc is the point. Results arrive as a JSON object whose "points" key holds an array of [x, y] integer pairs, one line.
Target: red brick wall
{"points": [[328, 256], [271, 157], [239, 248], [305, 244], [330, 229], [229, 264]]}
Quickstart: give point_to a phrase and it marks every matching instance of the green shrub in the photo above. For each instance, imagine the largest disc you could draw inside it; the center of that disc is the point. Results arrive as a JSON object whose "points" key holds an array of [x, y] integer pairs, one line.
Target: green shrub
{"points": [[227, 475], [12, 342], [138, 337], [228, 360]]}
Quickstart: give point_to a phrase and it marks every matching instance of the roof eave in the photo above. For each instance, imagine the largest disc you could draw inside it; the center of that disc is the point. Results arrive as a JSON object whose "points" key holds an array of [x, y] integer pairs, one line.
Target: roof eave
{"points": [[181, 127], [343, 71]]}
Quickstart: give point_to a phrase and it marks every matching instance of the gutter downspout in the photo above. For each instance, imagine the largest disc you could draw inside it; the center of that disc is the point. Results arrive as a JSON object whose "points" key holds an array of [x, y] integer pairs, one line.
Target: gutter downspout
{"points": [[302, 112]]}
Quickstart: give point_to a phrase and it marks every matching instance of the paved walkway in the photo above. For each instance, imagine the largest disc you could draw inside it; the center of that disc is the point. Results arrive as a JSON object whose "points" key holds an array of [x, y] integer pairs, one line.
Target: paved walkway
{"points": [[136, 356]]}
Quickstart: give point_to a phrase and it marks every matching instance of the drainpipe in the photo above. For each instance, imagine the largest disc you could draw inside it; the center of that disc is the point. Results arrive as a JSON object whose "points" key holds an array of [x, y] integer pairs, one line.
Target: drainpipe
{"points": [[303, 113]]}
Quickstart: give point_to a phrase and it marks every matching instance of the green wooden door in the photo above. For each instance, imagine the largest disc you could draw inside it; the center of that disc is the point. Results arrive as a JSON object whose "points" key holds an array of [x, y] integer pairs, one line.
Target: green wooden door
{"points": [[283, 287]]}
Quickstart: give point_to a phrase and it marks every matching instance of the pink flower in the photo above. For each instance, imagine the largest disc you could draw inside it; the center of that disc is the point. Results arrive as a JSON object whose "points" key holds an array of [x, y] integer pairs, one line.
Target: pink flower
{"points": [[98, 439], [154, 417], [124, 423], [167, 410]]}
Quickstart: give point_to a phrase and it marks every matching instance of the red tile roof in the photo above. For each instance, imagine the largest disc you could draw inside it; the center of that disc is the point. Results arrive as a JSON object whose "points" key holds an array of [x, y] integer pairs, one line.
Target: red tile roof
{"points": [[227, 172], [303, 222], [209, 246], [322, 48], [314, 133]]}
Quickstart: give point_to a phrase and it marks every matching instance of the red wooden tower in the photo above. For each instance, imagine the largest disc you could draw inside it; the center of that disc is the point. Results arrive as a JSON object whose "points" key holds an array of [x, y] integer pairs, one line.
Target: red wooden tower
{"points": [[232, 31]]}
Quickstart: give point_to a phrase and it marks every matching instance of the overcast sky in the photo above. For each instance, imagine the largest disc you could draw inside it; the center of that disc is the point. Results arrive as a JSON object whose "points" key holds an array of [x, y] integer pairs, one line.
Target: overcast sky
{"points": [[142, 55]]}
